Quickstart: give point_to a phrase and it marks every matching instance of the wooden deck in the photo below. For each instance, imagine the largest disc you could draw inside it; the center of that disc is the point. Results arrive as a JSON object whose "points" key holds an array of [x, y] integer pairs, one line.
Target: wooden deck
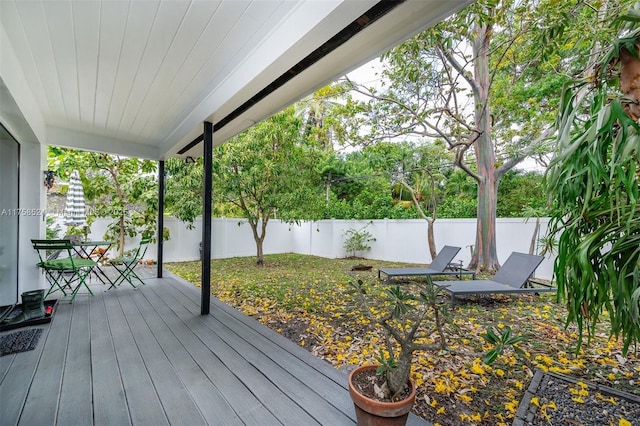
{"points": [[147, 357]]}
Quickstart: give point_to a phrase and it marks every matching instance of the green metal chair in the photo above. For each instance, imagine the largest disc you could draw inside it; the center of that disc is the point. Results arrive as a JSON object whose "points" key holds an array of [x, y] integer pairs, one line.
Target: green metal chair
{"points": [[63, 273], [125, 265]]}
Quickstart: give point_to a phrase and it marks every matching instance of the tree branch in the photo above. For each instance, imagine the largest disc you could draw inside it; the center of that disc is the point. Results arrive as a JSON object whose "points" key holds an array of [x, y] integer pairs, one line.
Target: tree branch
{"points": [[457, 66], [527, 151]]}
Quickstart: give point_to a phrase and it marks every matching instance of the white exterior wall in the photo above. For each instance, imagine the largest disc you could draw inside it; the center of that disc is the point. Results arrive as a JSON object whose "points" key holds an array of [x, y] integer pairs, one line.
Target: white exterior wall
{"points": [[396, 240], [32, 197]]}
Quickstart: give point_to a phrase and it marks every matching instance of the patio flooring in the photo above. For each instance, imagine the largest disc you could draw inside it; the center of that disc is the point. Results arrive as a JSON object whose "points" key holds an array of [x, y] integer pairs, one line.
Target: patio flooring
{"points": [[147, 357]]}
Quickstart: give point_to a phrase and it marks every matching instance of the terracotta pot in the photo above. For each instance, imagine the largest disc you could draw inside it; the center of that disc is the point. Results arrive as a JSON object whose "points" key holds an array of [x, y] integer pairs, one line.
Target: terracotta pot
{"points": [[370, 412]]}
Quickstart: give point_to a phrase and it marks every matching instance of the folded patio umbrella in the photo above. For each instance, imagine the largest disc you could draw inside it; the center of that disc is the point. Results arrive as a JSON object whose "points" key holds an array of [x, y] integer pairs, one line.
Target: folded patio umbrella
{"points": [[74, 211]]}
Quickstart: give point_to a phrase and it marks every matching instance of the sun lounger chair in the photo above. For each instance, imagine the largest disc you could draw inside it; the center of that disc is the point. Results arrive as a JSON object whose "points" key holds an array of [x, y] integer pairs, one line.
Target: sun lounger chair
{"points": [[513, 277], [441, 265]]}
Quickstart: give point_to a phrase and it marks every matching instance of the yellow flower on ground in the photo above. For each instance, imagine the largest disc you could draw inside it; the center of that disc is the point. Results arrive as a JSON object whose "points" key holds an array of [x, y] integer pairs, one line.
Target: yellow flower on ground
{"points": [[477, 369], [466, 398], [535, 401], [624, 422], [440, 387], [512, 406], [610, 399], [441, 410]]}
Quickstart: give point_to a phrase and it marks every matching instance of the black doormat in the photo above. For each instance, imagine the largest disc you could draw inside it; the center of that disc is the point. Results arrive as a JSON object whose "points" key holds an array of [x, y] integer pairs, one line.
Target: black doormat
{"points": [[20, 341]]}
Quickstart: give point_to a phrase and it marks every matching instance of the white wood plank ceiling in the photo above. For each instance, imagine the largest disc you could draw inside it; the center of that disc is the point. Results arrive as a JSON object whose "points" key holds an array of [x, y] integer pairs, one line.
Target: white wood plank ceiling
{"points": [[139, 77]]}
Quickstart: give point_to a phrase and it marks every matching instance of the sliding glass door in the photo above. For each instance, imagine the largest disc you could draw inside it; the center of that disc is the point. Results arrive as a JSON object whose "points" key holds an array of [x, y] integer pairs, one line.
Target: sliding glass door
{"points": [[9, 217]]}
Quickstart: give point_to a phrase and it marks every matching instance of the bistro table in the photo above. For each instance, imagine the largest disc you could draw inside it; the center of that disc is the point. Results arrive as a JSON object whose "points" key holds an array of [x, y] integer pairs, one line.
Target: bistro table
{"points": [[95, 250]]}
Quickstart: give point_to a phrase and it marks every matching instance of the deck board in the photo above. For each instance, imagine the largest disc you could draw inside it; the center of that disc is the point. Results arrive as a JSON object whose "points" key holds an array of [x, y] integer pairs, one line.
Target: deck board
{"points": [[211, 402], [109, 402], [40, 407], [234, 353], [5, 363], [146, 356], [75, 394], [176, 402], [283, 369], [16, 381], [142, 397], [240, 398]]}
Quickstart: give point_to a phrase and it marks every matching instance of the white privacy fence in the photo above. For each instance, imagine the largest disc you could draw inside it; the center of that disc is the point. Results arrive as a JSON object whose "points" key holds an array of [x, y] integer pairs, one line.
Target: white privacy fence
{"points": [[395, 240]]}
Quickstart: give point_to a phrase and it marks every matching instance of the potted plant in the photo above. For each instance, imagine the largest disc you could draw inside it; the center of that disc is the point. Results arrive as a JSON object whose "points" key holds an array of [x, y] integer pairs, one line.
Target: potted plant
{"points": [[409, 316], [414, 317]]}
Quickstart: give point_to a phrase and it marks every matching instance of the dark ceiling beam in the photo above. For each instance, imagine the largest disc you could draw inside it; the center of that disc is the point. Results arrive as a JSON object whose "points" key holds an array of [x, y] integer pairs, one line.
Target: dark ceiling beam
{"points": [[191, 144]]}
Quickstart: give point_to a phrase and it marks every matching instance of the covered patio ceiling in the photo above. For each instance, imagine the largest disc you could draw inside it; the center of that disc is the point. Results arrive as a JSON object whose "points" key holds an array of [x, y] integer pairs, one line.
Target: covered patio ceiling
{"points": [[138, 78]]}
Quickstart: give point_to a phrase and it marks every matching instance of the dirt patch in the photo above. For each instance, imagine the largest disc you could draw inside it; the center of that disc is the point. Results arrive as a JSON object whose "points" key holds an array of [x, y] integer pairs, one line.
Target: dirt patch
{"points": [[297, 330], [366, 382]]}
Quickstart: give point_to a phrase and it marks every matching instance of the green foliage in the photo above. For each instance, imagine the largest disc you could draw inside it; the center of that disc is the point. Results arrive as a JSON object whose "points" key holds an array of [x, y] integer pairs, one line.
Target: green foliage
{"points": [[518, 191], [594, 186], [479, 84], [123, 189], [320, 121], [387, 364], [183, 189], [267, 171], [407, 315], [501, 340], [373, 181], [357, 240], [459, 208], [53, 229], [460, 199]]}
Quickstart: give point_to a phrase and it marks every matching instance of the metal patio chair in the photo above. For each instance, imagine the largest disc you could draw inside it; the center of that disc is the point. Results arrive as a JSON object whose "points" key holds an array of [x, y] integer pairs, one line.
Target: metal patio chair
{"points": [[125, 265], [63, 273]]}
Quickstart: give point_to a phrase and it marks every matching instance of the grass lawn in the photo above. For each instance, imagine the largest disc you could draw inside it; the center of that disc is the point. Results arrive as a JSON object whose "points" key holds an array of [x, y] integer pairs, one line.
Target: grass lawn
{"points": [[306, 299]]}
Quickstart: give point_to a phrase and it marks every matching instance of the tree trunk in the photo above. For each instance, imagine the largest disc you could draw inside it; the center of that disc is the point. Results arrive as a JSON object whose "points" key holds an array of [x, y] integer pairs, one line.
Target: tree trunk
{"points": [[399, 377], [630, 82], [121, 235], [260, 253], [431, 239], [328, 187], [258, 237], [485, 255], [534, 238]]}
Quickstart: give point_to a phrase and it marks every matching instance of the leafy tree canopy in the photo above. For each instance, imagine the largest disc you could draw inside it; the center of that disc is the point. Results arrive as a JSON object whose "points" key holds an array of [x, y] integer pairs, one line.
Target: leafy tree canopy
{"points": [[120, 188]]}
